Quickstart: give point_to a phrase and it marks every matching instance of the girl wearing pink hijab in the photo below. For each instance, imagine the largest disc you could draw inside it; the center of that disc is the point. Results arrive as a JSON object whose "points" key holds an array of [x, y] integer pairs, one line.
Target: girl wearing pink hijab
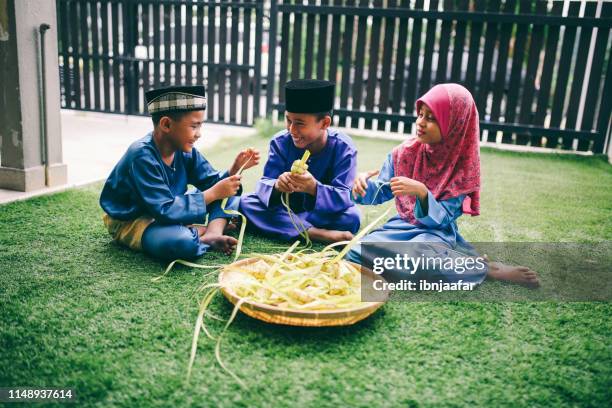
{"points": [[434, 178]]}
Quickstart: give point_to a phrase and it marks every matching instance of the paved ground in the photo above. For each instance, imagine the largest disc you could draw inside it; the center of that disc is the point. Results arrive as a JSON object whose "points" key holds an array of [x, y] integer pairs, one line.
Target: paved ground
{"points": [[93, 142]]}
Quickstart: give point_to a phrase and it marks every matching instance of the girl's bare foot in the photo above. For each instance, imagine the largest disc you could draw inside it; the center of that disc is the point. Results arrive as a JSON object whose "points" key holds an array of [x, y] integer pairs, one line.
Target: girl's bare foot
{"points": [[516, 274], [328, 236], [221, 243]]}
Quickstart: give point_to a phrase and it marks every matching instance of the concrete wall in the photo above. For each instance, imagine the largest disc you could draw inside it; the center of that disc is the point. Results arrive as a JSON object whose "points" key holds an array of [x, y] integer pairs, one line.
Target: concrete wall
{"points": [[20, 96]]}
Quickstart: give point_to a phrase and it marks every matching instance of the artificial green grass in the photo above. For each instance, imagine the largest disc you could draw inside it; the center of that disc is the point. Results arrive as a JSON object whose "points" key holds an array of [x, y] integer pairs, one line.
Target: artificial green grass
{"points": [[78, 311]]}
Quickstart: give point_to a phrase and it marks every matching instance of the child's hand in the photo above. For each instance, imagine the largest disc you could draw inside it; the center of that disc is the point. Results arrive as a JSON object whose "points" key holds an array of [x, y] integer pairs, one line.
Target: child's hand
{"points": [[225, 188], [408, 186], [360, 185], [304, 183], [249, 156], [284, 183]]}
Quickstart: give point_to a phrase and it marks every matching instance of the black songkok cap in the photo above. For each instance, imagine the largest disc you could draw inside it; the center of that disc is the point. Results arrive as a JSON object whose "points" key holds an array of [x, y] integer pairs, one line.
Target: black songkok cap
{"points": [[309, 96], [176, 99]]}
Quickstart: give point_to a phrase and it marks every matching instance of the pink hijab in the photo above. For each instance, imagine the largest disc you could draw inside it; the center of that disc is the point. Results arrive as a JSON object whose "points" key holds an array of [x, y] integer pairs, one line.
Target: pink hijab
{"points": [[449, 168]]}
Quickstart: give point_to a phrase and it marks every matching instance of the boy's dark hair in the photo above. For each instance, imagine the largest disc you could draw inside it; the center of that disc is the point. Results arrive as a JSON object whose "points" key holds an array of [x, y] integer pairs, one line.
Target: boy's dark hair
{"points": [[322, 115], [175, 116]]}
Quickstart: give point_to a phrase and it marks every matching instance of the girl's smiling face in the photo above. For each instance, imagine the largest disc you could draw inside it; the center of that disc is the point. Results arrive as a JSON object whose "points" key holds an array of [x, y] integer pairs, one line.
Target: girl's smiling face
{"points": [[427, 128]]}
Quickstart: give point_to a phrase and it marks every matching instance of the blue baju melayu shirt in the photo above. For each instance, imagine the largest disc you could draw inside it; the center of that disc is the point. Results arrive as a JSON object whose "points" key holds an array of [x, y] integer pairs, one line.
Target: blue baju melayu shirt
{"points": [[141, 184]]}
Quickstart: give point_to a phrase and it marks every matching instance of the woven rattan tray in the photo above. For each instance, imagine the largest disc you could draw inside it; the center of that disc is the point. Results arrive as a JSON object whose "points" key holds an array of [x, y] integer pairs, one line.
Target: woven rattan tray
{"points": [[291, 317]]}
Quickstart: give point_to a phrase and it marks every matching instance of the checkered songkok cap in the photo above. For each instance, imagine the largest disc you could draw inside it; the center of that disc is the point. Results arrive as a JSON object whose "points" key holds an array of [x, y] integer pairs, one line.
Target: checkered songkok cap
{"points": [[173, 99]]}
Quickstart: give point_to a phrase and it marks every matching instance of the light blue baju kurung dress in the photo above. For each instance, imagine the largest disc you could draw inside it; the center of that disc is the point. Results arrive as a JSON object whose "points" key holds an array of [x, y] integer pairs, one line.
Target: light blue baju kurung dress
{"points": [[435, 229]]}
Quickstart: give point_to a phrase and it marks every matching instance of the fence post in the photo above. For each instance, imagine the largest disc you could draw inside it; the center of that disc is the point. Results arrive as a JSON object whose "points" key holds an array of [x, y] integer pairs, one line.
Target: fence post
{"points": [[609, 148], [589, 66], [130, 24], [258, 43], [271, 57], [603, 142]]}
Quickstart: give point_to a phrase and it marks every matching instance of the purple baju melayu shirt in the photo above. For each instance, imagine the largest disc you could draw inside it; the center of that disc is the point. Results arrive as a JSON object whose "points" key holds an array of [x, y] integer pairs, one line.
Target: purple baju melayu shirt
{"points": [[334, 168]]}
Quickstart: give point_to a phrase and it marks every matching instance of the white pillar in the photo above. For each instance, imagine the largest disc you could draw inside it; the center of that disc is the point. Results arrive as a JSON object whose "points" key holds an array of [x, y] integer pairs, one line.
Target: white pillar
{"points": [[21, 119]]}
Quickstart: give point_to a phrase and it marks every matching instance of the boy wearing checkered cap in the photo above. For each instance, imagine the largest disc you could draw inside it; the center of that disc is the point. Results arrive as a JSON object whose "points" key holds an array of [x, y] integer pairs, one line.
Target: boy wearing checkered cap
{"points": [[145, 199]]}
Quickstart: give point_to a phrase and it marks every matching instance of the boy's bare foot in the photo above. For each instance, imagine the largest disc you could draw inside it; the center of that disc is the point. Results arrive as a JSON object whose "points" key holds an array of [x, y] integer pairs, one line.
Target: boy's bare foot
{"points": [[516, 274], [221, 243], [233, 225], [201, 230], [230, 228], [328, 236]]}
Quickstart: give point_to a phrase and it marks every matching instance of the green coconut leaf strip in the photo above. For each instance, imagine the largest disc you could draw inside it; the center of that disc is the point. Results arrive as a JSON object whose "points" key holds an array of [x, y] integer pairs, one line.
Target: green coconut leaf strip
{"points": [[335, 244], [305, 157], [360, 235], [207, 300], [207, 286], [373, 200], [198, 327], [282, 258], [297, 223], [298, 167], [186, 263], [242, 228], [239, 214], [386, 183], [218, 345]]}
